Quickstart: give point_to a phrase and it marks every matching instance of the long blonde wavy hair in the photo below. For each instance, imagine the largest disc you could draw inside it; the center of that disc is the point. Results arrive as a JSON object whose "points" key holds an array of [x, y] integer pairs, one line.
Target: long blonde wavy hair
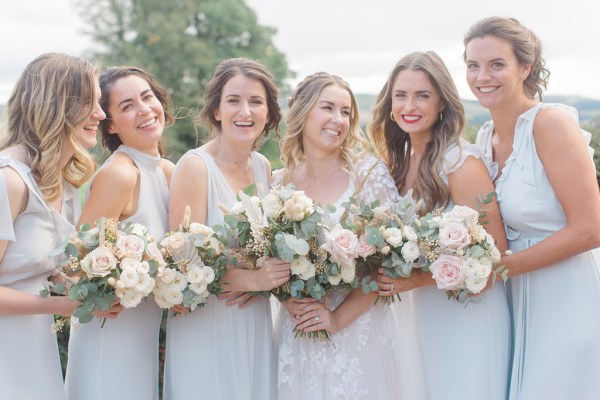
{"points": [[393, 144], [54, 94], [299, 105]]}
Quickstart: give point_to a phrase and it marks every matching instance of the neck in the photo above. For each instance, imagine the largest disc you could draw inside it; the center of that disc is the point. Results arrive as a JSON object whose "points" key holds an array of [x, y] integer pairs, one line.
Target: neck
{"points": [[418, 143], [233, 154], [321, 165], [505, 118], [151, 150]]}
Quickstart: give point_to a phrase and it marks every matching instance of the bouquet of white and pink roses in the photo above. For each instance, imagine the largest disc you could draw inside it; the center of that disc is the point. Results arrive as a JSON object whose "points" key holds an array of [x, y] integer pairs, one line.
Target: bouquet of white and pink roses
{"points": [[195, 265], [108, 264], [459, 252], [287, 224], [387, 238]]}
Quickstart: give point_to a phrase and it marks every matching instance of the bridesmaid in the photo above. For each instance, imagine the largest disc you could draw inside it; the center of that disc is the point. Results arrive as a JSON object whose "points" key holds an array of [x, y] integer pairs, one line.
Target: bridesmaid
{"points": [[323, 152], [416, 127], [219, 351], [550, 204], [120, 360], [53, 114]]}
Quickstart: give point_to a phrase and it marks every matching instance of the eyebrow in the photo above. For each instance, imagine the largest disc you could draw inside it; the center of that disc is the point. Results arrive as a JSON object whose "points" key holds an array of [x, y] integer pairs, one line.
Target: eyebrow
{"points": [[128, 100]]}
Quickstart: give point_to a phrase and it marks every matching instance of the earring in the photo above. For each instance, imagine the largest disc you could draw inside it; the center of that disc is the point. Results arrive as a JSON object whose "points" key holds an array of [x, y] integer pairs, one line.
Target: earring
{"points": [[441, 118], [392, 116]]}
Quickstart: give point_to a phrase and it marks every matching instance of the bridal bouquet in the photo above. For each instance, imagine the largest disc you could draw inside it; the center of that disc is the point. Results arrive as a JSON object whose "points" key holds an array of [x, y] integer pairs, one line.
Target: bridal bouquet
{"points": [[287, 224], [107, 265], [195, 263], [387, 238], [459, 252]]}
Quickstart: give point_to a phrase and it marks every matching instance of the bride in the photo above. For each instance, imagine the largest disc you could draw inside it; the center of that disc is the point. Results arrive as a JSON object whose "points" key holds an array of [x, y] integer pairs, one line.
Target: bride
{"points": [[321, 156]]}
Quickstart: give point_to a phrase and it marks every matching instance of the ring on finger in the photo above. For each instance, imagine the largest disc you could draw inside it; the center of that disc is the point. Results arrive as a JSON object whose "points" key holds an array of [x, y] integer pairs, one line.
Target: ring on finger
{"points": [[317, 319], [392, 287]]}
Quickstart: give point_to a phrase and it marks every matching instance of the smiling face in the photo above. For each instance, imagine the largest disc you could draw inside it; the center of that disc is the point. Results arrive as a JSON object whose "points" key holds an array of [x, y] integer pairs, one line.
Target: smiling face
{"points": [[328, 121], [493, 72], [136, 114], [243, 110], [416, 103], [85, 132]]}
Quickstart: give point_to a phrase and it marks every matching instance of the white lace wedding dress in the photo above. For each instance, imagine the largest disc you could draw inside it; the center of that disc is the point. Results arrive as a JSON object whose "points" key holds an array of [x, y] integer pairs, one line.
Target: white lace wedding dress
{"points": [[365, 360]]}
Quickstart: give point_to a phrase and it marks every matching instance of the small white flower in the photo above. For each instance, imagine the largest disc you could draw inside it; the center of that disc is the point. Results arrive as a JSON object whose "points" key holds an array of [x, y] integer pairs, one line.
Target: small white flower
{"points": [[198, 288], [410, 251], [409, 233], [195, 274], [393, 236], [209, 274], [302, 267], [131, 298], [179, 281], [168, 275], [129, 278], [272, 205]]}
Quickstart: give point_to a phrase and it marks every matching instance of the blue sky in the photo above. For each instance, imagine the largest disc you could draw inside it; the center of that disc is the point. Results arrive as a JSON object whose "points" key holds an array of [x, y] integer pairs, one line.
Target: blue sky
{"points": [[356, 39]]}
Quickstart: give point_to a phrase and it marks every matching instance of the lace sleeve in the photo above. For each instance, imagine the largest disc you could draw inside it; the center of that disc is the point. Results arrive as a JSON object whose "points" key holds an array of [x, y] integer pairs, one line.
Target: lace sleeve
{"points": [[7, 232], [375, 182]]}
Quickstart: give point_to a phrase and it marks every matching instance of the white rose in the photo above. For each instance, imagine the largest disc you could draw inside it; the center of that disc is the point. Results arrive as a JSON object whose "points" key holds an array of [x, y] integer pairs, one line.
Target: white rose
{"points": [[139, 230], [272, 205], [209, 274], [463, 214], [454, 236], [99, 262], [129, 263], [179, 281], [342, 245], [130, 246], [298, 206], [129, 278], [168, 275], [410, 251], [131, 298], [393, 236], [143, 267], [145, 284], [409, 233], [160, 299], [201, 229], [302, 267], [195, 274], [173, 295], [475, 284], [198, 287]]}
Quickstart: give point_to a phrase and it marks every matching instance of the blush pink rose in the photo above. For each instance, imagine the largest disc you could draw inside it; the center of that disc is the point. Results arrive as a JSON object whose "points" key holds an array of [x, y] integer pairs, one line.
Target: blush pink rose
{"points": [[342, 244], [454, 236], [130, 246], [365, 249], [447, 272]]}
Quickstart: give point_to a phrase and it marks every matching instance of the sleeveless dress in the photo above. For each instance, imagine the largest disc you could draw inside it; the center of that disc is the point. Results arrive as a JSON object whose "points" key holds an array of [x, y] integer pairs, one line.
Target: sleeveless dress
{"points": [[219, 352], [365, 360], [29, 360], [464, 350], [120, 360], [555, 310]]}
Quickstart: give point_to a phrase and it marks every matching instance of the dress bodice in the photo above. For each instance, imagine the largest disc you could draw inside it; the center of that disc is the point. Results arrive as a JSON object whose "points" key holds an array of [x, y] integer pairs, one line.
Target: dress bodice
{"points": [[529, 206], [35, 233]]}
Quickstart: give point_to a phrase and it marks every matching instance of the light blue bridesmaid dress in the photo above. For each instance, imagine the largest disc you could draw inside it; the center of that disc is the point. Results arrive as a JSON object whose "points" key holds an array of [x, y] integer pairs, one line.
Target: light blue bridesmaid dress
{"points": [[555, 310], [464, 351]]}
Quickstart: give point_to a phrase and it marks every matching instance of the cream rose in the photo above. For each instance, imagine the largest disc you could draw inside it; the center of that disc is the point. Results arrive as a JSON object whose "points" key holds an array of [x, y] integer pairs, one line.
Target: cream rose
{"points": [[99, 262], [195, 274], [145, 284], [348, 273], [139, 230], [129, 277], [200, 229], [174, 242], [212, 243], [130, 246], [302, 267], [454, 236], [409, 233], [209, 274], [168, 275], [131, 299], [475, 284], [447, 272], [199, 287], [298, 206]]}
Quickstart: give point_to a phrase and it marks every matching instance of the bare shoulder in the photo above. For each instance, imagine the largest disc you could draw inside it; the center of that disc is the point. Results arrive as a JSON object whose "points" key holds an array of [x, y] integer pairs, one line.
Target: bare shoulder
{"points": [[555, 123], [120, 173], [191, 165], [167, 167], [16, 189], [265, 161]]}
